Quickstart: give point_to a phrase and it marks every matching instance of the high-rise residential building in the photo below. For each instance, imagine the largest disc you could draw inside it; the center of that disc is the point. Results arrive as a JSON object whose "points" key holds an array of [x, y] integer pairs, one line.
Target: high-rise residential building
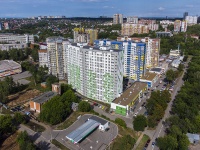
{"points": [[191, 20], [96, 73], [152, 49], [82, 35], [55, 56], [177, 25], [180, 26], [129, 29], [0, 26], [184, 26], [134, 56], [16, 38], [43, 58], [117, 19], [93, 33], [146, 21], [132, 19], [185, 14]]}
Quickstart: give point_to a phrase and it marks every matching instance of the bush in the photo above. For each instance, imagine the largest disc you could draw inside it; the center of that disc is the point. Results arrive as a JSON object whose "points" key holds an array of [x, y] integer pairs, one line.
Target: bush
{"points": [[84, 106], [120, 122]]}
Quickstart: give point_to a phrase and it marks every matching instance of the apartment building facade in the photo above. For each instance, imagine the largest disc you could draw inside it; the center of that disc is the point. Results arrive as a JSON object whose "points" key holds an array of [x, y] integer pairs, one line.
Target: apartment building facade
{"points": [[43, 58], [132, 19], [117, 19], [180, 26], [16, 38], [134, 56], [55, 56], [82, 35], [96, 73], [129, 29], [191, 20]]}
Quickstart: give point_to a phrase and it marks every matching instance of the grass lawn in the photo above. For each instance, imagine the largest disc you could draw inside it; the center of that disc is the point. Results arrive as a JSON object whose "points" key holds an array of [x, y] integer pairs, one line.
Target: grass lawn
{"points": [[142, 142], [35, 127], [59, 145], [5, 111], [69, 121]]}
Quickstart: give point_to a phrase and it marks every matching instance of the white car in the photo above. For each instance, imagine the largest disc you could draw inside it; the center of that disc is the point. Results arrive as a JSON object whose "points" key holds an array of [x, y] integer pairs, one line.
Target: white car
{"points": [[140, 108], [135, 114]]}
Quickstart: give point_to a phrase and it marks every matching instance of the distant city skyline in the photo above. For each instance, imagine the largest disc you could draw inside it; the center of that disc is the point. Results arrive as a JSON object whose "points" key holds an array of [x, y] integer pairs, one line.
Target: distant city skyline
{"points": [[95, 8]]}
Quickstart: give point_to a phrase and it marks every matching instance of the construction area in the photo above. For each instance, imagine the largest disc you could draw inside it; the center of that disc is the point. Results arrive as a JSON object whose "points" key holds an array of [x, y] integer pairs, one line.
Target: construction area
{"points": [[22, 97]]}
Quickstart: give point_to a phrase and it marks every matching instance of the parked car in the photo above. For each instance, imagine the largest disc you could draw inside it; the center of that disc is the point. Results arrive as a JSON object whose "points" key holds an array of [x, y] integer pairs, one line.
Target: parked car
{"points": [[153, 143], [143, 104]]}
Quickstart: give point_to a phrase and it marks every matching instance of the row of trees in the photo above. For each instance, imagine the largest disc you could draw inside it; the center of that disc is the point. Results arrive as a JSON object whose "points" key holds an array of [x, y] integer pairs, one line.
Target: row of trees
{"points": [[185, 110], [7, 87], [19, 54], [156, 106], [8, 124], [58, 108]]}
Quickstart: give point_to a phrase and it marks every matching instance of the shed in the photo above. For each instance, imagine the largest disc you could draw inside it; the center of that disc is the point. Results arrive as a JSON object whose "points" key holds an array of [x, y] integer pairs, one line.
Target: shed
{"points": [[193, 138], [104, 124]]}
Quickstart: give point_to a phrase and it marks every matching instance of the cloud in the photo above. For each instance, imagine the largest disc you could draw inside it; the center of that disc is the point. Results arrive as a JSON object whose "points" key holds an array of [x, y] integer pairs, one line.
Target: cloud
{"points": [[190, 6], [105, 7], [161, 8]]}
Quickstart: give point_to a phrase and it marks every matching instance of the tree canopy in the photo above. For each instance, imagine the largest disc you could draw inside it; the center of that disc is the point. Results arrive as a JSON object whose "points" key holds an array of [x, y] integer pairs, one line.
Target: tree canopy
{"points": [[84, 106], [58, 108], [139, 123]]}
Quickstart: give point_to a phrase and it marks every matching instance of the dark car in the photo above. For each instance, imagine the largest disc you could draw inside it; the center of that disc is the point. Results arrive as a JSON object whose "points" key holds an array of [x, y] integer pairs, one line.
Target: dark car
{"points": [[146, 145], [148, 141], [13, 109], [143, 104]]}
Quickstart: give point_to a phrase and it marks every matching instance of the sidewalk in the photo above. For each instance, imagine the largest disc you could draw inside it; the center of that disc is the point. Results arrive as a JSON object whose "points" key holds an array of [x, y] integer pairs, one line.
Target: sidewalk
{"points": [[138, 141]]}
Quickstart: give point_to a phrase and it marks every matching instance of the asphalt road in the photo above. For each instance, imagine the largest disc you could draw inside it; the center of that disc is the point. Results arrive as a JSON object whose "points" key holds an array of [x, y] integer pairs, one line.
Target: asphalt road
{"points": [[160, 129]]}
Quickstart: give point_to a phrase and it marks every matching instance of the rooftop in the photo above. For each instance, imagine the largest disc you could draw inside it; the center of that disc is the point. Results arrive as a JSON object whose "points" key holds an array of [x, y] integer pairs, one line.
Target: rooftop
{"points": [[156, 69], [8, 65], [149, 76], [42, 51], [130, 94], [101, 48], [82, 131], [100, 120], [44, 97]]}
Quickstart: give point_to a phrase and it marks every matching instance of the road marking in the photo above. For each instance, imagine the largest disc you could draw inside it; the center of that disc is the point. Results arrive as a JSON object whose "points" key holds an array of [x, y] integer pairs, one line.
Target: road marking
{"points": [[160, 130], [89, 139]]}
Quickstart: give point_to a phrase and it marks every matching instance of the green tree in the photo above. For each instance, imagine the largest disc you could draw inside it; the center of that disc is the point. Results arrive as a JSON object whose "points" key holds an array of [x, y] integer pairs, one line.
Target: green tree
{"points": [[24, 142], [183, 142], [19, 118], [139, 123], [120, 122], [167, 142], [170, 75], [54, 111], [180, 67], [50, 80], [6, 124], [84, 106]]}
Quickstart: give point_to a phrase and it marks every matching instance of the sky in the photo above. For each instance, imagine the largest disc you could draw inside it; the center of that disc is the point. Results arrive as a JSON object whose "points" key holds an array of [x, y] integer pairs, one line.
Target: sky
{"points": [[96, 8]]}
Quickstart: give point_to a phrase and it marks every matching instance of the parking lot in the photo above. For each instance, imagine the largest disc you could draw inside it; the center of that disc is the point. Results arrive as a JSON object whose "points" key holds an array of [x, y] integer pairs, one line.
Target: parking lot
{"points": [[97, 140], [139, 107]]}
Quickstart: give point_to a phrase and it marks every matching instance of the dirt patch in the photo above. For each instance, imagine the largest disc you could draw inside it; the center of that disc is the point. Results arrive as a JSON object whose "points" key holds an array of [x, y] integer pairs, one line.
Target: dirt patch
{"points": [[23, 97], [10, 143]]}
